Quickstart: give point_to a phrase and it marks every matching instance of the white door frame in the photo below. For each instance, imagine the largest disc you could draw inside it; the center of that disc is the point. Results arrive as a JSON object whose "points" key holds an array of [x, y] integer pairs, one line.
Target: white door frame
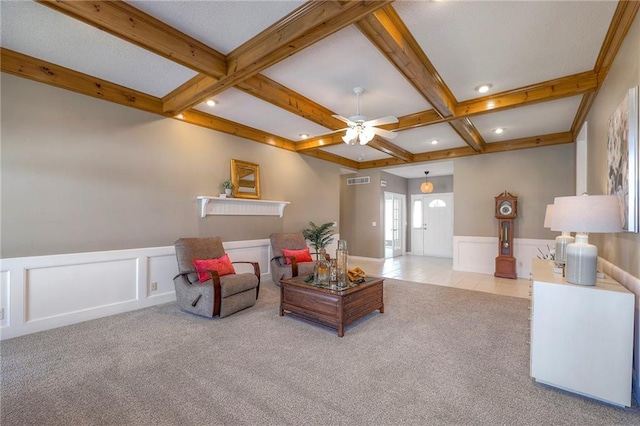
{"points": [[401, 232]]}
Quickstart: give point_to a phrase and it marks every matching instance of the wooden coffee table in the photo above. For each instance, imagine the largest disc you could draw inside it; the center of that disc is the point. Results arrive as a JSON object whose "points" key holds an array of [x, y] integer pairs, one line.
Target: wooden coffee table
{"points": [[332, 308]]}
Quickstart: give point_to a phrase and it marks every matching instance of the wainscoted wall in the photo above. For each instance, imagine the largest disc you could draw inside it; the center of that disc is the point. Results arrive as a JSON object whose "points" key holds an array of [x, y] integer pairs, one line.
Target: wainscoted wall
{"points": [[44, 292], [633, 285], [477, 254]]}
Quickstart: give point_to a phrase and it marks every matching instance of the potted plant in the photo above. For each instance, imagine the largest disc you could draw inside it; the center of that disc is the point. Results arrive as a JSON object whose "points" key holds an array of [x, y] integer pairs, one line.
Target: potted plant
{"points": [[227, 186], [319, 236]]}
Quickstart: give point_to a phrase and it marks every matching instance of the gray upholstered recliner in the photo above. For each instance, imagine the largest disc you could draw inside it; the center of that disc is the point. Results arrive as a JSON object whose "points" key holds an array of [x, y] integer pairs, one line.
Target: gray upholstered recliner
{"points": [[221, 295], [279, 268]]}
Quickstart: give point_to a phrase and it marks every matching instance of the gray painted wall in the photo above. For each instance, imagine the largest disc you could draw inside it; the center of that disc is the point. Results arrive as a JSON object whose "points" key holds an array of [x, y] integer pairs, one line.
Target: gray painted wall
{"points": [[534, 175], [79, 174], [621, 249], [440, 184]]}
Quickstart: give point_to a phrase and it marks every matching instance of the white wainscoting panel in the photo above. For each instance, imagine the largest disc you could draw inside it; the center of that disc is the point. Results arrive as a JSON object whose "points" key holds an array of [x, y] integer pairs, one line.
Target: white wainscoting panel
{"points": [[4, 298], [477, 254], [56, 290], [44, 292]]}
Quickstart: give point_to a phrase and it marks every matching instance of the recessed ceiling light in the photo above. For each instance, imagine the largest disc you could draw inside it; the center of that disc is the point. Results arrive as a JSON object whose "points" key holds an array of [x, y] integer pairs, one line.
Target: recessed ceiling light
{"points": [[180, 116], [434, 142], [490, 104], [484, 88], [304, 135], [211, 102], [498, 130]]}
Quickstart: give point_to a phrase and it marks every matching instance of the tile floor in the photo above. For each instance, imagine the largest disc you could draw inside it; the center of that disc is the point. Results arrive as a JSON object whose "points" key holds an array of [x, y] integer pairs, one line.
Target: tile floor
{"points": [[439, 271]]}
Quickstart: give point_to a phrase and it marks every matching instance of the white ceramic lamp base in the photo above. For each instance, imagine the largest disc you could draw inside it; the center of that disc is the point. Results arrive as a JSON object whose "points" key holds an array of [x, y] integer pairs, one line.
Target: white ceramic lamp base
{"points": [[582, 259], [561, 247]]}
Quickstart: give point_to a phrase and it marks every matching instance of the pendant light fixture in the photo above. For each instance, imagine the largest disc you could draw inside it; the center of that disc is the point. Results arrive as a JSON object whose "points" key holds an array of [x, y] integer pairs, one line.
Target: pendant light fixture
{"points": [[426, 186]]}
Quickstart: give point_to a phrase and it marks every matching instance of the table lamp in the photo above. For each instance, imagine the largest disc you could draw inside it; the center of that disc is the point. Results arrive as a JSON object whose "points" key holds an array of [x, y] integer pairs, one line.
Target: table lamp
{"points": [[583, 214], [560, 255]]}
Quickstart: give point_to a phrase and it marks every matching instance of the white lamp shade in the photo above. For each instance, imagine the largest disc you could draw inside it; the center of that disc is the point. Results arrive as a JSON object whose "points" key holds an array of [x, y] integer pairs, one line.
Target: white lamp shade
{"points": [[586, 213], [548, 216]]}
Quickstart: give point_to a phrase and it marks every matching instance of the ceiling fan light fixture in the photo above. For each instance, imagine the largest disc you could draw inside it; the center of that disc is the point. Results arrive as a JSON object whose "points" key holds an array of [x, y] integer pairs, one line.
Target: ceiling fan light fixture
{"points": [[366, 135], [350, 136], [426, 187]]}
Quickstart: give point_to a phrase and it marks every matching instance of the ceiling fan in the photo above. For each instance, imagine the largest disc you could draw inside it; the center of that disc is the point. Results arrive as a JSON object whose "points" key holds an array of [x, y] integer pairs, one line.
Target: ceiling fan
{"points": [[362, 131]]}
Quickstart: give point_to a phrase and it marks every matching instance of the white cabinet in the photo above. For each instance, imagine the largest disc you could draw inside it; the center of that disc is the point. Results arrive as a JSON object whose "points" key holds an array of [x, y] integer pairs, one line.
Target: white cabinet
{"points": [[582, 336]]}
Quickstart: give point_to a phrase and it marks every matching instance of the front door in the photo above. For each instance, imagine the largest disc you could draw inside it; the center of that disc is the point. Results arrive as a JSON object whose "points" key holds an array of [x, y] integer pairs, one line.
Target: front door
{"points": [[432, 225]]}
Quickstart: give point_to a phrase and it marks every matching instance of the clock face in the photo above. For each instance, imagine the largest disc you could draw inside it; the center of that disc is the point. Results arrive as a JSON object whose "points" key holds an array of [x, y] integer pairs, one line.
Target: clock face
{"points": [[506, 208]]}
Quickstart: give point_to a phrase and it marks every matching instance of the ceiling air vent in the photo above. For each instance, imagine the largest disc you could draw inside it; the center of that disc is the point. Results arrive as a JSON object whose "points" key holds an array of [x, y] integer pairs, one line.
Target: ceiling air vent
{"points": [[359, 180]]}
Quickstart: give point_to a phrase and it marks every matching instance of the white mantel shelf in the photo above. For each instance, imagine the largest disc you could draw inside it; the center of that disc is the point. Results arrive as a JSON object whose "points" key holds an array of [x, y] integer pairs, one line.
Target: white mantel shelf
{"points": [[240, 207]]}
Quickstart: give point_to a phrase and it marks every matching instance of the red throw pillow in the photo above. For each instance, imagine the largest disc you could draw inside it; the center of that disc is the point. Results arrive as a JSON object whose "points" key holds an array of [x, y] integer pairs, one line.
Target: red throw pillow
{"points": [[300, 255], [222, 265]]}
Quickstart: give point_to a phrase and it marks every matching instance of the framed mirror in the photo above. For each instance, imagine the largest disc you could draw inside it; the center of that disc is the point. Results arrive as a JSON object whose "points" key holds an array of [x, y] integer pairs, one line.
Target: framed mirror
{"points": [[246, 179]]}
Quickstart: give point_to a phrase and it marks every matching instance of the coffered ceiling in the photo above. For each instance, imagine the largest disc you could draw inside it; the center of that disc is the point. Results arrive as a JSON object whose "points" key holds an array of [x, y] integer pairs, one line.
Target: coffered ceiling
{"points": [[280, 69]]}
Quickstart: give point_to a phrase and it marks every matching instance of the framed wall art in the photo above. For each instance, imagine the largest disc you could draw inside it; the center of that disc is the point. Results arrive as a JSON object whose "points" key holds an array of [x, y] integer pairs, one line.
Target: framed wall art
{"points": [[622, 159]]}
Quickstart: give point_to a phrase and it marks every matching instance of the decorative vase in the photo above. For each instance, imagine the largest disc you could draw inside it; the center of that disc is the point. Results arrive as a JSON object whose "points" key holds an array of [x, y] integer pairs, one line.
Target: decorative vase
{"points": [[341, 260], [321, 270], [227, 191]]}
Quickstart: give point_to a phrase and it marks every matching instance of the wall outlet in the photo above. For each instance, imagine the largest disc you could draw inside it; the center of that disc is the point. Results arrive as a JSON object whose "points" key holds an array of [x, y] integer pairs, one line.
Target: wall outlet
{"points": [[154, 286]]}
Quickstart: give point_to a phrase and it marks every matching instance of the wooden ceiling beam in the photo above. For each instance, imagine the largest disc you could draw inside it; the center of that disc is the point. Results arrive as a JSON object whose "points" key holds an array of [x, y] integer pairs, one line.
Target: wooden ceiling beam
{"points": [[622, 20], [130, 24], [422, 157], [45, 72], [306, 25], [530, 142], [564, 87], [333, 158], [385, 29], [202, 119], [285, 98], [468, 132], [388, 148]]}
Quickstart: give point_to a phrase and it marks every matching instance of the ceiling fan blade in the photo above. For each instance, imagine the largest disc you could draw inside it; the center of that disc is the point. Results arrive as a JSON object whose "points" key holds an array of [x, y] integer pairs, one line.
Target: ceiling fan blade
{"points": [[346, 120], [387, 134], [381, 121]]}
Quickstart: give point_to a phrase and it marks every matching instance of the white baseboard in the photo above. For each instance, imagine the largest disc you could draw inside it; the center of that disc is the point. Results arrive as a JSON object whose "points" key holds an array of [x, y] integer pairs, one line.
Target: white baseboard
{"points": [[477, 254], [44, 292]]}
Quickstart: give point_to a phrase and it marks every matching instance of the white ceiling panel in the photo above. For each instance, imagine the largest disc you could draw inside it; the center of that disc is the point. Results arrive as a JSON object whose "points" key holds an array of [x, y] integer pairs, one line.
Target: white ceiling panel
{"points": [[222, 25], [38, 31], [420, 138], [538, 119], [328, 71], [507, 44]]}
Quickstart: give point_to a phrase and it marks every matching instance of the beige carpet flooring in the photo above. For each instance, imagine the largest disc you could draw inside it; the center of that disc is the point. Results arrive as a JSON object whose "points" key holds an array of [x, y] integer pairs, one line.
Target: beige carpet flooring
{"points": [[437, 356]]}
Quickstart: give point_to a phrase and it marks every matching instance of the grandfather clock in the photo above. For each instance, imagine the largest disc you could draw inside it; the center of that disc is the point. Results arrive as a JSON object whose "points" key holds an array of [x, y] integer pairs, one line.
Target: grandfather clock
{"points": [[506, 210]]}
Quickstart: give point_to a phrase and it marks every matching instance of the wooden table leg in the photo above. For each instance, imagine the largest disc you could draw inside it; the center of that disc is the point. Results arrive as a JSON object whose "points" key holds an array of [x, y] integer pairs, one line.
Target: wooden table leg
{"points": [[382, 309]]}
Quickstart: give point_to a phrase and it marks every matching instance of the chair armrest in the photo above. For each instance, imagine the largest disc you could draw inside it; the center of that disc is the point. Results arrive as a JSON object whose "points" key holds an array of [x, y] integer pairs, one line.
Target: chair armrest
{"points": [[185, 276], [294, 264], [215, 281], [256, 267], [256, 270]]}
